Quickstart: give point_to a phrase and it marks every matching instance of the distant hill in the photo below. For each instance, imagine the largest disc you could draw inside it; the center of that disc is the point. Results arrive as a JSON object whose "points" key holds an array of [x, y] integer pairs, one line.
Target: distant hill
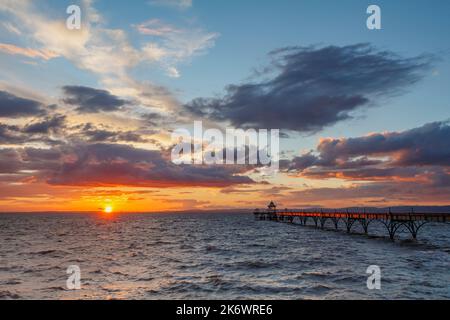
{"points": [[394, 209]]}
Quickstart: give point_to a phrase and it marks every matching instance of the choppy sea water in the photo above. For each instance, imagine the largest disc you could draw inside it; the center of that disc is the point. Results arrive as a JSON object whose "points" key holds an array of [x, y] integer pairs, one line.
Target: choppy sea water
{"points": [[213, 256]]}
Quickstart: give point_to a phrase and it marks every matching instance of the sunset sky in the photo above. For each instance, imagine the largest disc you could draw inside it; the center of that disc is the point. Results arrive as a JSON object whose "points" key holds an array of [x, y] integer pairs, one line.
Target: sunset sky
{"points": [[86, 115]]}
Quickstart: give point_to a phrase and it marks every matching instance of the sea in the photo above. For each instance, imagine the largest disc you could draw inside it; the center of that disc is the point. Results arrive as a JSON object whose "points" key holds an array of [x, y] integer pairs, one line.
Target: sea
{"points": [[213, 256]]}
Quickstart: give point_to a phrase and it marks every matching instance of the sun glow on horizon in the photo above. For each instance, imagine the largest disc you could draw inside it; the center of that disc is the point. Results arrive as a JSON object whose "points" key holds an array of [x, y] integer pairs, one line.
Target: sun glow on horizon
{"points": [[108, 209]]}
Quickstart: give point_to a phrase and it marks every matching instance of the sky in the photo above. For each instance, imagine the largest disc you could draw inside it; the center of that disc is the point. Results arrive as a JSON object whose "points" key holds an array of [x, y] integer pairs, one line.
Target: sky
{"points": [[86, 115]]}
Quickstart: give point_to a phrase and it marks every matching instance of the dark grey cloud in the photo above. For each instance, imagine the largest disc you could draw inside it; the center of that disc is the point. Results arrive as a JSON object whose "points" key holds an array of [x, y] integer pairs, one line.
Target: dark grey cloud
{"points": [[100, 135], [300, 163], [307, 160], [309, 88], [153, 118], [92, 133], [90, 100], [13, 160], [50, 124], [33, 154], [115, 164], [12, 106], [15, 135], [107, 164], [35, 131], [426, 145], [9, 161], [10, 134], [421, 154]]}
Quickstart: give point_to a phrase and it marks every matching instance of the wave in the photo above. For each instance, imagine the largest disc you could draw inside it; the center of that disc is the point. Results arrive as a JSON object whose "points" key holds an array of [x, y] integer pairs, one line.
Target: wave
{"points": [[8, 295]]}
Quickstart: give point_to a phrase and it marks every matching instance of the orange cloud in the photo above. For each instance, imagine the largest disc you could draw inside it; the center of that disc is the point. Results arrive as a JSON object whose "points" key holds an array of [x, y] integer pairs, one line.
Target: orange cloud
{"points": [[27, 52]]}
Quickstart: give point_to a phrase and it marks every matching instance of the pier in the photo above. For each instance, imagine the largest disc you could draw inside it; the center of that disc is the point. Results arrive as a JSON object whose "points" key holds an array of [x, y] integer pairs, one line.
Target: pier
{"points": [[411, 221]]}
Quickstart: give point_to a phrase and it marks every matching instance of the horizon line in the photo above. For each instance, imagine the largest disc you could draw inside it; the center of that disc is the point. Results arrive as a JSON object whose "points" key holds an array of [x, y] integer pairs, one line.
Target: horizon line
{"points": [[229, 210]]}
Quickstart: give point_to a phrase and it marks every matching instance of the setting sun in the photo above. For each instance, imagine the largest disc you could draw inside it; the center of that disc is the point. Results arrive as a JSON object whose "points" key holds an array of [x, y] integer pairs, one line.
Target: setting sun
{"points": [[108, 209]]}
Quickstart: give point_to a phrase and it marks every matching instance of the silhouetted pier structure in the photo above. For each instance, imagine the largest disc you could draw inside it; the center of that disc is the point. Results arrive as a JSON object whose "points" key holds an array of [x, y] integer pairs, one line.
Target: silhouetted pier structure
{"points": [[412, 221]]}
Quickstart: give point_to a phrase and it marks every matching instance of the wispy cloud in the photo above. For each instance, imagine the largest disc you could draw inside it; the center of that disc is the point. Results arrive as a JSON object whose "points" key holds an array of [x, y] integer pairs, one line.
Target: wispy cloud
{"points": [[172, 45], [11, 28], [156, 27], [27, 52]]}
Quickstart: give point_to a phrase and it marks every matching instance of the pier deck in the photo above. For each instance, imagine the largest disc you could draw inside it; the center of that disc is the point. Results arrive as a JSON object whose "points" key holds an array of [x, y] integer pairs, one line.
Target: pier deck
{"points": [[411, 221]]}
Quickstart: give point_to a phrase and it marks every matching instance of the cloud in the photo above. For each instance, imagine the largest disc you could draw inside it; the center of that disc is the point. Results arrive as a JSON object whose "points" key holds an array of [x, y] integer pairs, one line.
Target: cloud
{"points": [[300, 163], [90, 100], [154, 52], [9, 134], [171, 45], [15, 135], [93, 134], [38, 131], [9, 161], [309, 88], [110, 164], [105, 51], [173, 72], [173, 42], [11, 28], [426, 145], [52, 36], [12, 106], [156, 27], [104, 164], [50, 124], [37, 161], [29, 53], [420, 155]]}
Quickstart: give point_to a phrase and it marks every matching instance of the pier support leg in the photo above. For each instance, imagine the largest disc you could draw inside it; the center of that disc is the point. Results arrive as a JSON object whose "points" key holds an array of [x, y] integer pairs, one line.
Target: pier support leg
{"points": [[322, 222], [392, 227], [335, 222], [305, 220], [414, 226], [316, 220], [365, 224], [349, 223]]}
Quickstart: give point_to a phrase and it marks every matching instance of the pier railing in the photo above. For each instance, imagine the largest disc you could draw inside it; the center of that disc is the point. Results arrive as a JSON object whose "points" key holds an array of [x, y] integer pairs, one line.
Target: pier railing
{"points": [[412, 221]]}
